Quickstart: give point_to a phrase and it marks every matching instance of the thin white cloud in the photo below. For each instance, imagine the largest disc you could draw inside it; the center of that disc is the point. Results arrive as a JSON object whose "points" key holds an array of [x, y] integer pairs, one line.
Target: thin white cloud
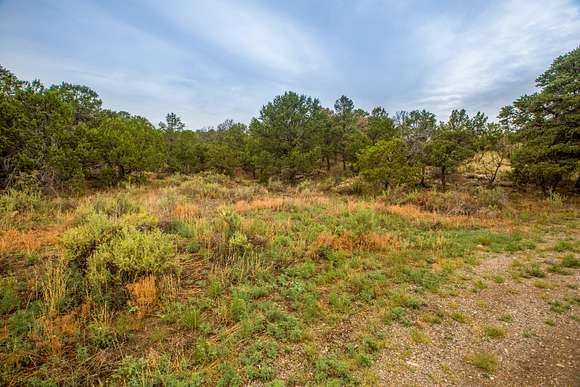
{"points": [[482, 65], [135, 70], [248, 32], [211, 60]]}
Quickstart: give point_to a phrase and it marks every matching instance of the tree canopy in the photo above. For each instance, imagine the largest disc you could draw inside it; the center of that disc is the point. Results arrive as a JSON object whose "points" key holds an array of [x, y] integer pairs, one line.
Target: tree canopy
{"points": [[547, 126], [62, 138]]}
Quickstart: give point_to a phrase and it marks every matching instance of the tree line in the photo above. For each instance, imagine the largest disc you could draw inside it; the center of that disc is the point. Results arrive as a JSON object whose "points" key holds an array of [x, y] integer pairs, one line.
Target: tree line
{"points": [[61, 138]]}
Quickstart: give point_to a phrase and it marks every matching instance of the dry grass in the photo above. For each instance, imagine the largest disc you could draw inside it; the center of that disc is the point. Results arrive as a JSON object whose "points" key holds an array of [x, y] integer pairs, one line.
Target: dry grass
{"points": [[54, 289], [292, 232], [55, 331], [32, 240], [455, 221], [143, 293], [348, 242], [186, 212], [280, 203]]}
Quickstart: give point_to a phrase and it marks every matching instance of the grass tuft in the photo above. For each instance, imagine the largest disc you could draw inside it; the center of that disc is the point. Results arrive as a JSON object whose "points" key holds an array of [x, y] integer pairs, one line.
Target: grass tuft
{"points": [[487, 361], [495, 331]]}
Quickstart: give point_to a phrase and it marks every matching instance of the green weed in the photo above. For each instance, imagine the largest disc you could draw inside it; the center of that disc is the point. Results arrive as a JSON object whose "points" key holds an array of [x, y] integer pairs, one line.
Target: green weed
{"points": [[494, 331], [485, 360]]}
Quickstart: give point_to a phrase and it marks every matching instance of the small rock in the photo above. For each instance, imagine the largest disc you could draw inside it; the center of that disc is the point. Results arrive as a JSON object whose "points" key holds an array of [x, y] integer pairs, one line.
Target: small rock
{"points": [[560, 365], [412, 364]]}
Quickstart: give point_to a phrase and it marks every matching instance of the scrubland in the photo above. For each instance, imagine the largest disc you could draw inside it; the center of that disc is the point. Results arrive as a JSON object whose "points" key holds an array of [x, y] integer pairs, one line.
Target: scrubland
{"points": [[209, 280]]}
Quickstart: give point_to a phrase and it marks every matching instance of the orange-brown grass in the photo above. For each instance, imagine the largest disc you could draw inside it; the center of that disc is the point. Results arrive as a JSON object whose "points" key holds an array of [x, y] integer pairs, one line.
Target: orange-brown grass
{"points": [[31, 240], [275, 204], [349, 242], [379, 242], [185, 211], [279, 203], [143, 293], [55, 332], [155, 203], [455, 221], [354, 205]]}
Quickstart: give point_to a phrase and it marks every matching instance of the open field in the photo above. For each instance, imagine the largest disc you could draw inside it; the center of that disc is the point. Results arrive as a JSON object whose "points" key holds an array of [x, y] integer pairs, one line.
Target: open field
{"points": [[205, 280]]}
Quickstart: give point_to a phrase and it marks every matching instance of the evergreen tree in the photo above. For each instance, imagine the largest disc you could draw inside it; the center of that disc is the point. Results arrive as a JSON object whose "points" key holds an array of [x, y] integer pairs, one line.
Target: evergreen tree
{"points": [[547, 126]]}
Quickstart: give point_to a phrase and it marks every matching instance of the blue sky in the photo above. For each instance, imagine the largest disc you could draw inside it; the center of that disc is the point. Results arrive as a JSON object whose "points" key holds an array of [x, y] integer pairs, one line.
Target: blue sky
{"points": [[217, 59]]}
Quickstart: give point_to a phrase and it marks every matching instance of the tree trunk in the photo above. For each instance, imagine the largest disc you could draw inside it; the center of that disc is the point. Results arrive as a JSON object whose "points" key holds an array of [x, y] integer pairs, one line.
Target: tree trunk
{"points": [[443, 176], [494, 175], [554, 185], [121, 171]]}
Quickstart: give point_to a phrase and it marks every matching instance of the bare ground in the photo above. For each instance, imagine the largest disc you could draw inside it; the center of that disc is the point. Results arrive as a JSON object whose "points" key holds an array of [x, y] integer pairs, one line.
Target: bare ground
{"points": [[541, 347]]}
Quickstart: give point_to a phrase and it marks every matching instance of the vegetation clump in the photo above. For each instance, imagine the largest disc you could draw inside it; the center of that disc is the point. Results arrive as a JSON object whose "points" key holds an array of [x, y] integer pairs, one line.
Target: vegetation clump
{"points": [[108, 253]]}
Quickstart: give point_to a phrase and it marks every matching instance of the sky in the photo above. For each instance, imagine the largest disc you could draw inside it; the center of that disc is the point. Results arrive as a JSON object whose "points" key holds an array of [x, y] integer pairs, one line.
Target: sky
{"points": [[211, 60]]}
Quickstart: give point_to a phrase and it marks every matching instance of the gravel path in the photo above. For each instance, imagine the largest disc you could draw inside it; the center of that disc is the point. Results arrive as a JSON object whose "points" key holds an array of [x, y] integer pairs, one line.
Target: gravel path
{"points": [[540, 347]]}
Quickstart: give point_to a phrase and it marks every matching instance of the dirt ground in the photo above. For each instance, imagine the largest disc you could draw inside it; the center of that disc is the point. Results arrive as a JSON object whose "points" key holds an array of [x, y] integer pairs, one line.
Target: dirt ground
{"points": [[540, 346]]}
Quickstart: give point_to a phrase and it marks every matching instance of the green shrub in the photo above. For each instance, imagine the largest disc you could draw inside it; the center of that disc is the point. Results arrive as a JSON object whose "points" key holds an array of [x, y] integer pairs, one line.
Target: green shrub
{"points": [[131, 370], [115, 207], [108, 253], [331, 367], [215, 288], [562, 246], [239, 244], [134, 253], [258, 360], [304, 270], [9, 298], [558, 307], [185, 229], [21, 322], [233, 223], [22, 201], [364, 287], [493, 198], [205, 351], [535, 271], [80, 242], [281, 324], [101, 334], [423, 278], [407, 300], [360, 222], [230, 376]]}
